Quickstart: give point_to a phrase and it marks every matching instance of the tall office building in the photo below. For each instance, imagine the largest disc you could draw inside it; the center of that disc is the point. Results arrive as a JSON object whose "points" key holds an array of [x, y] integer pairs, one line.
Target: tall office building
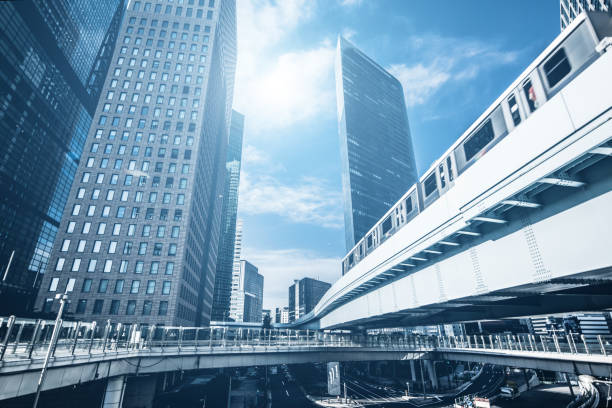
{"points": [[569, 9], [378, 164], [53, 53], [225, 258], [139, 236], [247, 294], [304, 295]]}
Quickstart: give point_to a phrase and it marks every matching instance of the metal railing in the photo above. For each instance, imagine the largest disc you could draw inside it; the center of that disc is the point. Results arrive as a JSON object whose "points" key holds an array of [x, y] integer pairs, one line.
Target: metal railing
{"points": [[25, 339]]}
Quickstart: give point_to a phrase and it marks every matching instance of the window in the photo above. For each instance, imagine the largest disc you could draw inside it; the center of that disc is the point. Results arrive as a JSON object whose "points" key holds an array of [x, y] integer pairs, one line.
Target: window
{"points": [[369, 241], [147, 307], [387, 225], [92, 265], [86, 288], [108, 264], [119, 286], [98, 304], [430, 184], [142, 249], [442, 176], [477, 141], [157, 249], [139, 267], [114, 307], [103, 286], [135, 286], [150, 287], [449, 166], [557, 67], [65, 245], [131, 307], [76, 264], [53, 284], [166, 287], [172, 249], [163, 308], [169, 268], [514, 110], [154, 268], [123, 266], [530, 95], [81, 306]]}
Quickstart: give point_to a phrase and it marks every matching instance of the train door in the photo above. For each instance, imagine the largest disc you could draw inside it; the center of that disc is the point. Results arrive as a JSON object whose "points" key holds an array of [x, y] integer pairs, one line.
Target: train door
{"points": [[532, 93], [446, 174]]}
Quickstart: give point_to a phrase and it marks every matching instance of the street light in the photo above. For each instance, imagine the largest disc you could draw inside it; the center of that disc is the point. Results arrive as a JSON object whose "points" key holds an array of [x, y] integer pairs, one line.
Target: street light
{"points": [[56, 329]]}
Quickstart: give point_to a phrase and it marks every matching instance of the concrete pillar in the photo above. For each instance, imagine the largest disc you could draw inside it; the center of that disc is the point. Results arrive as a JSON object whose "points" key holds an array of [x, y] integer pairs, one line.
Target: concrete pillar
{"points": [[115, 389], [413, 371], [140, 392], [431, 370]]}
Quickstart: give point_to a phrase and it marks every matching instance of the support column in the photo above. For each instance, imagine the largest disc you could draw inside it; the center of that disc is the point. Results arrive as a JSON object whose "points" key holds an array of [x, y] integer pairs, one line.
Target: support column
{"points": [[140, 391], [413, 371], [431, 370], [115, 389]]}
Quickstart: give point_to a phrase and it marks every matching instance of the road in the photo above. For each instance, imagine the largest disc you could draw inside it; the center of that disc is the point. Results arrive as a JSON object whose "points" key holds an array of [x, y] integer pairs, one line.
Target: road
{"points": [[286, 393]]}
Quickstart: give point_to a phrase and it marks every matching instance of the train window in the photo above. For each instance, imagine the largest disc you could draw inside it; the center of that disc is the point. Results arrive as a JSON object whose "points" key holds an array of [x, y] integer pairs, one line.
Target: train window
{"points": [[557, 67], [449, 166], [369, 241], [408, 205], [386, 225], [478, 140], [350, 260], [442, 178], [430, 185], [530, 95], [514, 110]]}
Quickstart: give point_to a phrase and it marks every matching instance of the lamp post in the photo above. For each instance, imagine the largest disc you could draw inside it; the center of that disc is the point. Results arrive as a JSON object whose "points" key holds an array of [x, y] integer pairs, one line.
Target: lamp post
{"points": [[56, 329]]}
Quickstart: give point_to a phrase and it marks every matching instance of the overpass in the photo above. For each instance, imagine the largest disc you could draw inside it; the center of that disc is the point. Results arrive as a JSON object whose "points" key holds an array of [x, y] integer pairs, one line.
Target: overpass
{"points": [[86, 353], [523, 231]]}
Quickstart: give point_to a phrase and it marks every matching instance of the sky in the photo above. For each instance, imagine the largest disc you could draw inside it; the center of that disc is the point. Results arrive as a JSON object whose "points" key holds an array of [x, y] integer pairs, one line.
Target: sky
{"points": [[453, 58]]}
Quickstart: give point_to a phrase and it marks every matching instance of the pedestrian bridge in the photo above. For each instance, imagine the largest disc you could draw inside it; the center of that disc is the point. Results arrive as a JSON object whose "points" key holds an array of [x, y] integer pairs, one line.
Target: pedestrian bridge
{"points": [[85, 352]]}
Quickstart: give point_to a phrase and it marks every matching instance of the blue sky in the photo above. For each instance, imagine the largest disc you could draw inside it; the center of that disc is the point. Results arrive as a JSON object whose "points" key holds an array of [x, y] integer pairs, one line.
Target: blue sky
{"points": [[453, 58]]}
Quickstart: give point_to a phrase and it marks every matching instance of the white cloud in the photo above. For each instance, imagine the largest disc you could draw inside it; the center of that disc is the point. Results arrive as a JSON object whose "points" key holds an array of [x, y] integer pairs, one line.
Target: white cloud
{"points": [[307, 201], [281, 266], [252, 155], [463, 60], [278, 89]]}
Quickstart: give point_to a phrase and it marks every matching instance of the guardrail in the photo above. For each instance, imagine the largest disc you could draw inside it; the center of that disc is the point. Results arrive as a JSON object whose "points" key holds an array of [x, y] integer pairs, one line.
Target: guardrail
{"points": [[23, 339]]}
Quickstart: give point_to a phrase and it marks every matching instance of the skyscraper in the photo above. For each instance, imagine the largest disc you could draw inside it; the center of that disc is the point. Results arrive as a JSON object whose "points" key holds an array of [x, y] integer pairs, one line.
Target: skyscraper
{"points": [[53, 53], [304, 295], [140, 232], [378, 164], [247, 293], [225, 258], [569, 9]]}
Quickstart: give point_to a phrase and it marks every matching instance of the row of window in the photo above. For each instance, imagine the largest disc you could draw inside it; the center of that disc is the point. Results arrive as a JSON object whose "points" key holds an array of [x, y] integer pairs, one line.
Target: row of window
{"points": [[114, 307], [166, 24], [180, 56], [118, 288], [138, 137], [174, 35], [154, 266], [171, 44], [128, 180], [142, 124], [157, 112], [178, 10], [112, 247], [118, 163]]}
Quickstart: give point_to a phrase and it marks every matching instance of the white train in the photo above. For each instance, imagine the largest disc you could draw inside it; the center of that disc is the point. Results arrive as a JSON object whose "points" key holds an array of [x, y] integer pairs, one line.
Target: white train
{"points": [[574, 50]]}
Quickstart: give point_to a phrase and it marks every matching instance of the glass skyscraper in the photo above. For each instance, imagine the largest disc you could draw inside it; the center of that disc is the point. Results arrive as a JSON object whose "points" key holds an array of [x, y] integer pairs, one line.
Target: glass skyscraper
{"points": [[225, 257], [378, 164], [53, 54], [247, 293], [139, 236]]}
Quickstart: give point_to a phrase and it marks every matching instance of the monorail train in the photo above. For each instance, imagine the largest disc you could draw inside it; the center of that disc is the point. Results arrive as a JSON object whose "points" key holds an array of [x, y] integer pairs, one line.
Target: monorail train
{"points": [[574, 50]]}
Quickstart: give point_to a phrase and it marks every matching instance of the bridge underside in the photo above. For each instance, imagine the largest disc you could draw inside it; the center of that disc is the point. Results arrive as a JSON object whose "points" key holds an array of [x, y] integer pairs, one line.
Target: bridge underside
{"points": [[553, 258], [17, 380]]}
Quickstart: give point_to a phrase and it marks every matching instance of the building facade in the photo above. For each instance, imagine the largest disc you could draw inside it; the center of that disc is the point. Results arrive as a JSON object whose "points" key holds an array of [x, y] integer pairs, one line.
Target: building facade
{"points": [[304, 294], [247, 294], [53, 55], [227, 238], [139, 236], [569, 9], [378, 164]]}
